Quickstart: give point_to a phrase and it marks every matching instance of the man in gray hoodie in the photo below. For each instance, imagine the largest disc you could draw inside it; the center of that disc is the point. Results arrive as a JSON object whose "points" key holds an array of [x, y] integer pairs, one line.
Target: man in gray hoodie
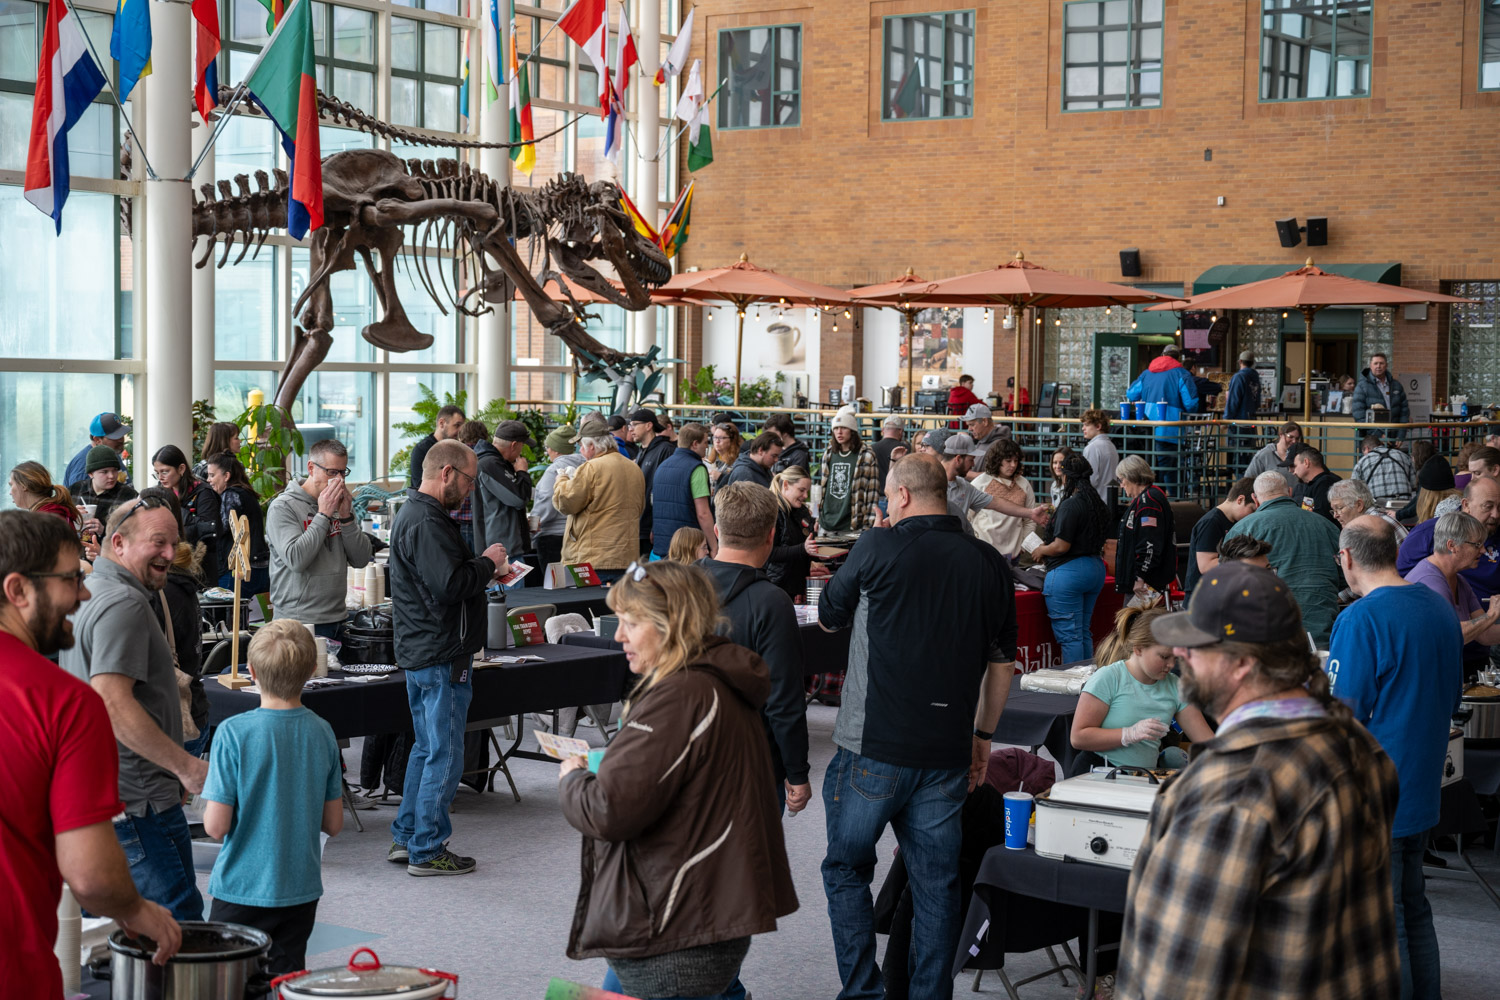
{"points": [[314, 539]]}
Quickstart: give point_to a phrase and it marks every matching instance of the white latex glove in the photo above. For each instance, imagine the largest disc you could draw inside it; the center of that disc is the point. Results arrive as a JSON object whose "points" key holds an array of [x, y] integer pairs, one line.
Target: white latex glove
{"points": [[1146, 729]]}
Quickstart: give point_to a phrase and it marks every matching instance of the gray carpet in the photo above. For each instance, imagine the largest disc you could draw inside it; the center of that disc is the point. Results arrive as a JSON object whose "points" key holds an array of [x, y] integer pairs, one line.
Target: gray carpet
{"points": [[504, 928]]}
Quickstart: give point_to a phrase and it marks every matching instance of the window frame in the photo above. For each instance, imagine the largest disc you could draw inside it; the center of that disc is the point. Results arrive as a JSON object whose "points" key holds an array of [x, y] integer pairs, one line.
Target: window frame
{"points": [[327, 62], [1489, 26], [422, 77], [1133, 58], [1279, 42], [887, 93], [776, 30]]}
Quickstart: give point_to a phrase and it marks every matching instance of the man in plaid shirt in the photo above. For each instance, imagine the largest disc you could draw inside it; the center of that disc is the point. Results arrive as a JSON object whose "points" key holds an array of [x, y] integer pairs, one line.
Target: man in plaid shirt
{"points": [[1388, 471], [1265, 870]]}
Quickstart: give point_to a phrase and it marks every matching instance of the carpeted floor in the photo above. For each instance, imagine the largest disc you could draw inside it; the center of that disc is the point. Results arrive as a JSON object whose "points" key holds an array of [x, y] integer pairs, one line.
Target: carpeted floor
{"points": [[504, 928]]}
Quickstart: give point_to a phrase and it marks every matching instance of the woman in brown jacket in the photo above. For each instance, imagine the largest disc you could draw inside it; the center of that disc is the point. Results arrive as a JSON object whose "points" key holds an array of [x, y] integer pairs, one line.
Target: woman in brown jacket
{"points": [[683, 856]]}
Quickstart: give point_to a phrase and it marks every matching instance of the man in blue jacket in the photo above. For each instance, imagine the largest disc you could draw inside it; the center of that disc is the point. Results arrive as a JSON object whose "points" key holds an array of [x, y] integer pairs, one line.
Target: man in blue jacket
{"points": [[1170, 394], [1242, 402]]}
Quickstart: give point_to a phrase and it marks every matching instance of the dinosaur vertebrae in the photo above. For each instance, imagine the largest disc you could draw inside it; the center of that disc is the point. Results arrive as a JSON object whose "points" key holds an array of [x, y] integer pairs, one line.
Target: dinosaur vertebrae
{"points": [[250, 214]]}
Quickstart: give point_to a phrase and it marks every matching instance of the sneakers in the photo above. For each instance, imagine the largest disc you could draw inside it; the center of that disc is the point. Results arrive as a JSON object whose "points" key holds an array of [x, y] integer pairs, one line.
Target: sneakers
{"points": [[1104, 988], [446, 863], [398, 852]]}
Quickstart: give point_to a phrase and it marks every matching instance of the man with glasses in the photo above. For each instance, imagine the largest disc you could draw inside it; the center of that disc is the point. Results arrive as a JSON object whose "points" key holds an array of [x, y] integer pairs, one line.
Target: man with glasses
{"points": [[1351, 498], [60, 780], [123, 653], [1482, 502], [437, 597], [1285, 811], [314, 539]]}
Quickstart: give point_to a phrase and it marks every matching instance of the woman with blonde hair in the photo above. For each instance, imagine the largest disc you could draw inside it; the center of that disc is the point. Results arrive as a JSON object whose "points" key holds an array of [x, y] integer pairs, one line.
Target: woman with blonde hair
{"points": [[32, 488], [723, 452], [683, 855], [794, 545], [688, 545], [1434, 485], [1129, 703]]}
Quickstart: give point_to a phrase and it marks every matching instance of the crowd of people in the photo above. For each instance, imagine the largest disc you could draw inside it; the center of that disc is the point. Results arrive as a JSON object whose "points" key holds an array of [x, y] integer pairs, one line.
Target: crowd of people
{"points": [[707, 536]]}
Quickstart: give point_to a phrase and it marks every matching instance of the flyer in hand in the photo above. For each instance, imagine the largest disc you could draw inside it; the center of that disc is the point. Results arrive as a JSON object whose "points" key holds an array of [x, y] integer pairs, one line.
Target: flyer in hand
{"points": [[561, 747]]}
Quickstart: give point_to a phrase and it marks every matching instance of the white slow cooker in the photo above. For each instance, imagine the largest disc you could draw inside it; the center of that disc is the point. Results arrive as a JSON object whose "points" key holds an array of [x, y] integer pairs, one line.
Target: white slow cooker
{"points": [[366, 980]]}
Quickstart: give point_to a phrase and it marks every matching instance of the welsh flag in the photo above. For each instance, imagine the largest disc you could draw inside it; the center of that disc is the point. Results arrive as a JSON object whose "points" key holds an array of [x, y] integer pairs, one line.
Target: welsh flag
{"points": [[284, 86]]}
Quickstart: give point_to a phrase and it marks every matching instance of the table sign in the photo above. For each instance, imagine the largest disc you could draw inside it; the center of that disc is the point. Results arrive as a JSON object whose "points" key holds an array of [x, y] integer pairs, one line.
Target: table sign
{"points": [[564, 575], [526, 630]]}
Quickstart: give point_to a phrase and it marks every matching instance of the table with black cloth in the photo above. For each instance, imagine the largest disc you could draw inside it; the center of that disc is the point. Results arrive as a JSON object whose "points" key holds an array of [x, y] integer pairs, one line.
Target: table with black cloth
{"points": [[567, 676], [821, 651], [586, 601], [1005, 874], [1037, 719]]}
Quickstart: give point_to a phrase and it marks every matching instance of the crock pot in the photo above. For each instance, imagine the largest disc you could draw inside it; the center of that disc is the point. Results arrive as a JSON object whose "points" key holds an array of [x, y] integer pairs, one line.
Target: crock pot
{"points": [[367, 980], [217, 961], [1480, 714]]}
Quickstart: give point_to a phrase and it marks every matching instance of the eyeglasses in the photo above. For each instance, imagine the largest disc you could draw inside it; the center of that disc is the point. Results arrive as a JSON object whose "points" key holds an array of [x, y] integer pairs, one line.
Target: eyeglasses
{"points": [[336, 473], [461, 472], [145, 503], [636, 572], [77, 576]]}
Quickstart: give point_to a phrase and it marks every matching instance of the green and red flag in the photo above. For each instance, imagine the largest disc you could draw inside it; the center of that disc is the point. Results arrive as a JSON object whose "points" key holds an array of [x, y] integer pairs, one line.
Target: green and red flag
{"points": [[284, 85]]}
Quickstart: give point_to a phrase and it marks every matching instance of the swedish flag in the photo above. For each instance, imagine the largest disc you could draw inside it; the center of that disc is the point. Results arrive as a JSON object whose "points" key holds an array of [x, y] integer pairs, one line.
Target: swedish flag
{"points": [[130, 43]]}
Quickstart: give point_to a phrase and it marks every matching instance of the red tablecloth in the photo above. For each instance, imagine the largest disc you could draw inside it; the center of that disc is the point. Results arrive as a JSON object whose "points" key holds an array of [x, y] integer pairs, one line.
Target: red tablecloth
{"points": [[1036, 647]]}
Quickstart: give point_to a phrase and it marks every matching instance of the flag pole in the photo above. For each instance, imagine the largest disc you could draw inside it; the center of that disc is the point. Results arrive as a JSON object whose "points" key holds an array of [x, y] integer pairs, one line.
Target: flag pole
{"points": [[670, 138], [119, 104]]}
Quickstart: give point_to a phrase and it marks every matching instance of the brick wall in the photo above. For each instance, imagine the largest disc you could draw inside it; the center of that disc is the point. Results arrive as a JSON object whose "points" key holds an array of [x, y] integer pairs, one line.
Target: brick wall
{"points": [[1408, 174]]}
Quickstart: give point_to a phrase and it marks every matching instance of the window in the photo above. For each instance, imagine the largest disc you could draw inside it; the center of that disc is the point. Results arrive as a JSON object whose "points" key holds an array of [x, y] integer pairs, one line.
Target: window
{"points": [[1489, 45], [1112, 54], [764, 67], [346, 70], [929, 66], [1314, 49], [425, 74]]}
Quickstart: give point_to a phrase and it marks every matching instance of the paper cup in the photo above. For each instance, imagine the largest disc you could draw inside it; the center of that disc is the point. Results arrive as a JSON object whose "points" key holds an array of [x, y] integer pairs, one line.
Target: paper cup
{"points": [[1018, 806], [596, 757]]}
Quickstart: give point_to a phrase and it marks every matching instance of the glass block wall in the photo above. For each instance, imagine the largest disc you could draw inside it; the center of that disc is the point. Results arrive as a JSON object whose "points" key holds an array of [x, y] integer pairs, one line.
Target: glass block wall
{"points": [[1474, 343], [1068, 347]]}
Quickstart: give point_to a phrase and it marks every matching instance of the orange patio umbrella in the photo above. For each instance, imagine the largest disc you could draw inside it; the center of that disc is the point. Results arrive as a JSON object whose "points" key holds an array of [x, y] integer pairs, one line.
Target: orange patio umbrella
{"points": [[908, 295], [1022, 285], [742, 283], [1309, 289]]}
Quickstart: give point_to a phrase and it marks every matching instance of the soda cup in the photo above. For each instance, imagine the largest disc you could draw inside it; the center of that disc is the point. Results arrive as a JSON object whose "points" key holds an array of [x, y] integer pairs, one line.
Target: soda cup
{"points": [[1126, 410], [1018, 806]]}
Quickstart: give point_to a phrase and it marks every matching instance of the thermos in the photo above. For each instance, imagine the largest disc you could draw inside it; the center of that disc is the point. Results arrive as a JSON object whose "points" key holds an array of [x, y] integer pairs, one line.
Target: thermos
{"points": [[499, 624]]}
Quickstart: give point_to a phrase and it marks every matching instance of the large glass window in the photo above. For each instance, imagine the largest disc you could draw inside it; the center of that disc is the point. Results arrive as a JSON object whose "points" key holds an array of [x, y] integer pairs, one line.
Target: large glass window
{"points": [[59, 291], [425, 74], [1112, 54], [245, 309], [1314, 49], [1489, 45], [44, 416], [929, 66], [764, 67], [346, 401], [343, 46]]}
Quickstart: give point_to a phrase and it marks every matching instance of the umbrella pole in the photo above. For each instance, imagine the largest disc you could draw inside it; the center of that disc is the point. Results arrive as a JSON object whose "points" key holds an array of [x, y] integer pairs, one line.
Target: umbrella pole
{"points": [[739, 349], [1019, 313], [1307, 318], [911, 350]]}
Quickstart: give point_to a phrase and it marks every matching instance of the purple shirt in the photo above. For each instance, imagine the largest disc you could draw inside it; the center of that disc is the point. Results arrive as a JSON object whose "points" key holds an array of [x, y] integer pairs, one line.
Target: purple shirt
{"points": [[1464, 603]]}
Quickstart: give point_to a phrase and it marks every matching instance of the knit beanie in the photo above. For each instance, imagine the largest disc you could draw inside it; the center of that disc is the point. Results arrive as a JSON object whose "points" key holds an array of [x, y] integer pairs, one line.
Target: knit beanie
{"points": [[1436, 474], [561, 440], [102, 456]]}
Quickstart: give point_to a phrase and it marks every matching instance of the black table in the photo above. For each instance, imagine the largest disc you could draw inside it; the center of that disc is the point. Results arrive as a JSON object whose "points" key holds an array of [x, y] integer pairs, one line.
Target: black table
{"points": [[1071, 883], [1482, 768], [586, 601], [1036, 719], [567, 677], [822, 652]]}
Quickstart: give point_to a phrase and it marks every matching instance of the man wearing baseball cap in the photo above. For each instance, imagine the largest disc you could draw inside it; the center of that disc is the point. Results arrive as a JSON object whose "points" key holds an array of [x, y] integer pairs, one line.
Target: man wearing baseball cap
{"points": [[602, 500], [1242, 402], [105, 429], [980, 420], [958, 457], [1266, 861], [502, 493], [651, 451]]}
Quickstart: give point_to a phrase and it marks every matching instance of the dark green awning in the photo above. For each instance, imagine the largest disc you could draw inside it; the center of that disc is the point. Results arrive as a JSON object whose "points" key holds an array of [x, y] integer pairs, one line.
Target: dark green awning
{"points": [[1229, 275]]}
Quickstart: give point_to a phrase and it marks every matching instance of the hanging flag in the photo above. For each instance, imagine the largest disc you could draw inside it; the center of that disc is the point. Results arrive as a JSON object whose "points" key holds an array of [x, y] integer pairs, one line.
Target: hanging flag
{"points": [[674, 231], [692, 93], [275, 11], [908, 93], [637, 219], [494, 61], [67, 80], [130, 43], [678, 53], [700, 140], [205, 57], [524, 156], [625, 59], [584, 23], [463, 90], [285, 87]]}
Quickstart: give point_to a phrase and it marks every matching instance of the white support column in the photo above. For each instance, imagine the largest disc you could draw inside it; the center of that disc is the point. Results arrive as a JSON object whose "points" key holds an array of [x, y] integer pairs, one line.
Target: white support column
{"points": [[492, 352], [648, 130], [203, 289], [168, 264]]}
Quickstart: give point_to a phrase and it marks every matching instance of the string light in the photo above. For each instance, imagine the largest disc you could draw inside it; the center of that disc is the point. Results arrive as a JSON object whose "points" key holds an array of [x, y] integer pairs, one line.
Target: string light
{"points": [[986, 314], [848, 314], [1283, 314], [1214, 318], [835, 326], [1108, 311], [1057, 321], [1250, 321], [1132, 324]]}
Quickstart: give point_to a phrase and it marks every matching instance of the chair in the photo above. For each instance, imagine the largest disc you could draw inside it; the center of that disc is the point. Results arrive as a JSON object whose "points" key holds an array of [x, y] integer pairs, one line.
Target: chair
{"points": [[487, 726]]}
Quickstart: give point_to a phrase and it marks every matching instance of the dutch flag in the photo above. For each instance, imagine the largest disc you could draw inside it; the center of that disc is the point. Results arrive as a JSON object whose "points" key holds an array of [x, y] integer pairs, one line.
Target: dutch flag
{"points": [[67, 81]]}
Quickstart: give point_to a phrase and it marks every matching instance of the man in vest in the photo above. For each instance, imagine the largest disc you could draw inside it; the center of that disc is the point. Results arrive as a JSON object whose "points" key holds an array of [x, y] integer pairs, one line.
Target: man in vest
{"points": [[679, 493]]}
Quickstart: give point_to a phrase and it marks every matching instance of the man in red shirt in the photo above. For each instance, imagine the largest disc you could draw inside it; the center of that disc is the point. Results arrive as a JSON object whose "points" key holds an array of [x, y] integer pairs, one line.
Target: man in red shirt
{"points": [[59, 779], [961, 396]]}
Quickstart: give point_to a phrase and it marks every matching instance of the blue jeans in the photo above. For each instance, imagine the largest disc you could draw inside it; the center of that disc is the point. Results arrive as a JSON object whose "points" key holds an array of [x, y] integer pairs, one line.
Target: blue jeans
{"points": [[1416, 939], [861, 796], [259, 582], [332, 630], [1164, 461], [160, 852], [439, 714], [736, 990], [1070, 591]]}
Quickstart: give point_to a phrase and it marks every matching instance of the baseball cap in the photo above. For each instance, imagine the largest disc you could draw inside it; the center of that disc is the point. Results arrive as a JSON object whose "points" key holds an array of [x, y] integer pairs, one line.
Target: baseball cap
{"points": [[978, 411], [936, 439], [1234, 602], [592, 425], [646, 416], [512, 430], [894, 422], [107, 425], [1173, 350], [1248, 356], [1292, 453], [961, 443]]}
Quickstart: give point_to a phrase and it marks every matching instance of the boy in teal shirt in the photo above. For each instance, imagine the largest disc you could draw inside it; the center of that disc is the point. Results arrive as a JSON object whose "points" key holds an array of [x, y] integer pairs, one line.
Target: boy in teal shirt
{"points": [[274, 782]]}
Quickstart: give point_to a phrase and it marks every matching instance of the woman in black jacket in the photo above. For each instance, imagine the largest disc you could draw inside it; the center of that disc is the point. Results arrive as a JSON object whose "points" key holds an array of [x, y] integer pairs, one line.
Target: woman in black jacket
{"points": [[200, 506], [227, 478], [793, 548], [1146, 559]]}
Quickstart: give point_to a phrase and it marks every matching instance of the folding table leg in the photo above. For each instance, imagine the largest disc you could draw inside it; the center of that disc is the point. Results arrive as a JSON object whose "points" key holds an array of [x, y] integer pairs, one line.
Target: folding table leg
{"points": [[349, 804], [1091, 963], [1057, 965], [502, 767]]}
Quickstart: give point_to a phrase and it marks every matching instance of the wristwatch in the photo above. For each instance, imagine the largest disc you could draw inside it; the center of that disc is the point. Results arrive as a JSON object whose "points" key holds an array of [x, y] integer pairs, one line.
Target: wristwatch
{"points": [[981, 734]]}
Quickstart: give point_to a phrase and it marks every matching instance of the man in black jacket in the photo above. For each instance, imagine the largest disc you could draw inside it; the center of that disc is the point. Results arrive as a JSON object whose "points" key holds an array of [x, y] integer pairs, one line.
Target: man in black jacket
{"points": [[503, 490], [651, 450], [437, 596], [793, 452], [449, 420], [762, 620]]}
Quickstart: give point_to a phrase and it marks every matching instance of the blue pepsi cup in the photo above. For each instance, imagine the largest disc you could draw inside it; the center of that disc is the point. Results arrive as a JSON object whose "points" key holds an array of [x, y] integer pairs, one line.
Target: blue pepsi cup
{"points": [[1126, 410], [1140, 410], [1018, 806]]}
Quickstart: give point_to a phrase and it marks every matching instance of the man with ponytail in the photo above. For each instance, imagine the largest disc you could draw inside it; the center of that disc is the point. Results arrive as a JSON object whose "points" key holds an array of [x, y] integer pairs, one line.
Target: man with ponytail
{"points": [[1265, 871]]}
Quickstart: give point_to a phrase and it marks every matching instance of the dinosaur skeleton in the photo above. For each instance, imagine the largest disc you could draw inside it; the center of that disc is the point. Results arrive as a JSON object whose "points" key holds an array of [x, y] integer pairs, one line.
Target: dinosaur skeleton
{"points": [[371, 201]]}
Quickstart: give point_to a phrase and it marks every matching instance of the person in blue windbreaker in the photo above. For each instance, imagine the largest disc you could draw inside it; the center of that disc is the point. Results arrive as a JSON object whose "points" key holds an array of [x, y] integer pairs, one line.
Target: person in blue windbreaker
{"points": [[1168, 390]]}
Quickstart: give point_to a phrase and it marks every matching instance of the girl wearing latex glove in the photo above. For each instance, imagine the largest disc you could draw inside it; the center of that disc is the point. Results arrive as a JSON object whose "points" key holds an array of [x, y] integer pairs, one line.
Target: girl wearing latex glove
{"points": [[1128, 704]]}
